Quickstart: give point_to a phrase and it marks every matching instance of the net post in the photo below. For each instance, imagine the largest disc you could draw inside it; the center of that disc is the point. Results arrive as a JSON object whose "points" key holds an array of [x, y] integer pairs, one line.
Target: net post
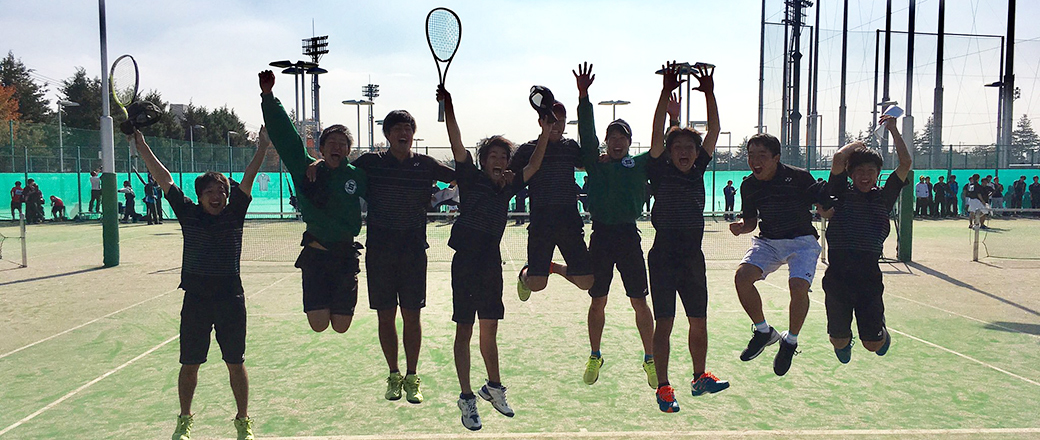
{"points": [[21, 227], [823, 239], [905, 247], [975, 246]]}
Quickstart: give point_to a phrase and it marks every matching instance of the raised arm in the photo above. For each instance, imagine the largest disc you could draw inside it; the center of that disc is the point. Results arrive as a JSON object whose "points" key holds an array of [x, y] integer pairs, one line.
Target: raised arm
{"points": [[841, 158], [706, 75], [671, 82], [263, 143], [282, 131], [159, 172], [586, 120], [539, 150], [905, 160], [458, 149]]}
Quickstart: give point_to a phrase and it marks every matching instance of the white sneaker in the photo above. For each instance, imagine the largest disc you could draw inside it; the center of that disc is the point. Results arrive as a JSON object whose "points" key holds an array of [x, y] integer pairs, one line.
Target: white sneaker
{"points": [[497, 397], [470, 417]]}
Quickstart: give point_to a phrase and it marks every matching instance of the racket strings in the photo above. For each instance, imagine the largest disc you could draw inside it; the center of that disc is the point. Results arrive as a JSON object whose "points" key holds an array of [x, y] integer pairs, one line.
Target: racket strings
{"points": [[124, 82], [444, 31]]}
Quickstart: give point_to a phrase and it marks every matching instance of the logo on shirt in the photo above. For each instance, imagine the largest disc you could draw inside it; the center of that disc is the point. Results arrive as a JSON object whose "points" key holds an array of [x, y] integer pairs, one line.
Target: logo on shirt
{"points": [[628, 162], [415, 164], [350, 186]]}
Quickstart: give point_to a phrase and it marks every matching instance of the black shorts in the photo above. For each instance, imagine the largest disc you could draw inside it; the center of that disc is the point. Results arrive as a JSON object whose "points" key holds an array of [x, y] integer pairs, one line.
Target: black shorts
{"points": [[617, 245], [853, 284], [395, 269], [566, 231], [201, 314], [329, 279], [476, 285], [676, 265]]}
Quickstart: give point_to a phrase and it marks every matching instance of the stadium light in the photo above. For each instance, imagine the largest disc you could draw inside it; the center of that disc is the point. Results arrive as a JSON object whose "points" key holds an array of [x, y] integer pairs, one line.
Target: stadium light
{"points": [[231, 168], [359, 103], [613, 107]]}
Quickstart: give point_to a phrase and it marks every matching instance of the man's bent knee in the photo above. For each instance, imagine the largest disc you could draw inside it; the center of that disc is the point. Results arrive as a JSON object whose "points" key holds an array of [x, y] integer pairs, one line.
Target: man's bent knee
{"points": [[747, 274], [584, 282]]}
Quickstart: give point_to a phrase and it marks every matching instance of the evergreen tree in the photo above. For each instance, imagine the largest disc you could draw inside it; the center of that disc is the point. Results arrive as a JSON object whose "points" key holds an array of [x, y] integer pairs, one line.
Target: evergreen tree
{"points": [[30, 96], [1024, 142]]}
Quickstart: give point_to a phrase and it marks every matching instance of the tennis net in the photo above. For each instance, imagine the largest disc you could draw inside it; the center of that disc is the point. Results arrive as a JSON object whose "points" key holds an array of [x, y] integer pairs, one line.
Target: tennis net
{"points": [[275, 237], [1009, 233], [12, 242]]}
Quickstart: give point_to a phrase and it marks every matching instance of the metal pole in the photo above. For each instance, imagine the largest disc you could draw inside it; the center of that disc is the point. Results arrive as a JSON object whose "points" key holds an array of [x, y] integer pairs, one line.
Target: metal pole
{"points": [[762, 68], [79, 185], [885, 96], [937, 103], [1009, 85], [109, 206], [904, 248], [180, 165], [61, 144], [844, 68]]}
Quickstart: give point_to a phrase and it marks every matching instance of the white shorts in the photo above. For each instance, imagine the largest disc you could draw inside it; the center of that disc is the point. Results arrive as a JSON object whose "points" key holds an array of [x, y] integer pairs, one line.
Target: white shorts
{"points": [[800, 254], [977, 205]]}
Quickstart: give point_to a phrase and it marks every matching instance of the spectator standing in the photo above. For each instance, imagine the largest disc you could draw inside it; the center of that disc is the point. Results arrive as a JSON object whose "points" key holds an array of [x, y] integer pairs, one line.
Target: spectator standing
{"points": [[951, 196], [16, 199], [939, 207], [95, 192], [33, 199], [128, 207], [1018, 190], [1034, 193], [730, 193], [149, 201], [923, 195], [997, 201]]}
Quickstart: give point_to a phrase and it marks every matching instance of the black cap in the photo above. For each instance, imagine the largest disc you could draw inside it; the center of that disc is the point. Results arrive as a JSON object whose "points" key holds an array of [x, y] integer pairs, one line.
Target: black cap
{"points": [[621, 125]]}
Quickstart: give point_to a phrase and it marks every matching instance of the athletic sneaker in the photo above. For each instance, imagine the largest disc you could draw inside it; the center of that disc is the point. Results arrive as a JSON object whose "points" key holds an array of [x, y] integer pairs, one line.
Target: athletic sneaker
{"points": [[393, 386], [651, 373], [521, 289], [758, 343], [844, 354], [411, 389], [244, 428], [183, 431], [592, 369], [782, 361], [666, 399], [470, 417], [497, 397], [888, 343], [707, 383]]}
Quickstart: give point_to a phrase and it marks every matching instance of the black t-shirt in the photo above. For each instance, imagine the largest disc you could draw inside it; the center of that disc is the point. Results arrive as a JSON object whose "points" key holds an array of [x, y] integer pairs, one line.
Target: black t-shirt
{"points": [[399, 192], [1034, 192], [483, 208], [212, 243], [730, 193], [940, 189], [678, 196], [977, 191], [782, 204], [861, 219], [553, 187]]}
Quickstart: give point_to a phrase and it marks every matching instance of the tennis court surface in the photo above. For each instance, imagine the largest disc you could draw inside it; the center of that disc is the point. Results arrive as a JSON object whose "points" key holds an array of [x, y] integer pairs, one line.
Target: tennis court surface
{"points": [[92, 353]]}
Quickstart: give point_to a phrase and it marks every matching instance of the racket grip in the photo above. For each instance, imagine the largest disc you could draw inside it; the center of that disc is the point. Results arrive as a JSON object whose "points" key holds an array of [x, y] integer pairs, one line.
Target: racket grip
{"points": [[440, 111]]}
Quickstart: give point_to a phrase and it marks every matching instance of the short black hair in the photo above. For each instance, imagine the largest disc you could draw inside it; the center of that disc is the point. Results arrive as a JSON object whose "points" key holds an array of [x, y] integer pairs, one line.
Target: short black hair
{"points": [[766, 140], [211, 177], [485, 145], [338, 128], [396, 117], [17, 183], [864, 155], [676, 132]]}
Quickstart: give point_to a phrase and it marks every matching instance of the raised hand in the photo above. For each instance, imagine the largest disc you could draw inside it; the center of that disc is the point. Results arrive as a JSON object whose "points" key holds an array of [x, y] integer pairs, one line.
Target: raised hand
{"points": [[705, 74], [443, 95], [671, 76], [266, 81], [263, 141], [674, 106], [887, 121], [584, 78]]}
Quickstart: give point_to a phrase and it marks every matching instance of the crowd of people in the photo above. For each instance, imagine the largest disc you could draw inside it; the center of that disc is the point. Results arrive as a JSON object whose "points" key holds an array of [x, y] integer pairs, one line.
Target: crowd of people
{"points": [[944, 199], [29, 201]]}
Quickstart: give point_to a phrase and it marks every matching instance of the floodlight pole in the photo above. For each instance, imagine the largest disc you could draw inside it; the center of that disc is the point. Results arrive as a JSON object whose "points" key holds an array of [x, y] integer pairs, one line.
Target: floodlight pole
{"points": [[231, 166], [109, 207]]}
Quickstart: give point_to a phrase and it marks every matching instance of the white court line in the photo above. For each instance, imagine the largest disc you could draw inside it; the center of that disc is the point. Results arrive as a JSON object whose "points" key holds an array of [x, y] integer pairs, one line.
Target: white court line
{"points": [[669, 434], [109, 373], [987, 365], [1003, 327], [85, 386], [86, 323]]}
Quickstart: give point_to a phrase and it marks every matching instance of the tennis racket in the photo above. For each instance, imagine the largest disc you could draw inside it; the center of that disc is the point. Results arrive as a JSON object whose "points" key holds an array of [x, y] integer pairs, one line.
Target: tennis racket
{"points": [[443, 34], [123, 82]]}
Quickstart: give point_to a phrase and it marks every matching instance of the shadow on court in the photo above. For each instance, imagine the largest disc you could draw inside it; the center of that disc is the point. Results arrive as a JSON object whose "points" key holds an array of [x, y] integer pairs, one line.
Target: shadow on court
{"points": [[942, 276], [57, 275], [1033, 329]]}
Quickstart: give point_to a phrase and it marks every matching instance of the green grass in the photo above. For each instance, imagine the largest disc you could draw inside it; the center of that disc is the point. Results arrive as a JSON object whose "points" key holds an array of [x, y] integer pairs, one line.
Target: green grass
{"points": [[964, 361]]}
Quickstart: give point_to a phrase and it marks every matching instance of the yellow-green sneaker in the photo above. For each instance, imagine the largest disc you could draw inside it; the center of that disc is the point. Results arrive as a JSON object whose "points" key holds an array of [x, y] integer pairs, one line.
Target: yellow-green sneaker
{"points": [[412, 390], [651, 373], [244, 428], [592, 369], [393, 386], [522, 290], [183, 431]]}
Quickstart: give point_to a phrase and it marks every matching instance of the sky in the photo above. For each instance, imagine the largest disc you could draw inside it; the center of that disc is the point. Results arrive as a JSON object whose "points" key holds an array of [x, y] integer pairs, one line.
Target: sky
{"points": [[209, 52]]}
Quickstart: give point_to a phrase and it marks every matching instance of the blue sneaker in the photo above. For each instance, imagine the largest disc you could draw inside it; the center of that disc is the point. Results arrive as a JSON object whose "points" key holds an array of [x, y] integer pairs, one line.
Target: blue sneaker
{"points": [[666, 399], [888, 343], [844, 354], [707, 383]]}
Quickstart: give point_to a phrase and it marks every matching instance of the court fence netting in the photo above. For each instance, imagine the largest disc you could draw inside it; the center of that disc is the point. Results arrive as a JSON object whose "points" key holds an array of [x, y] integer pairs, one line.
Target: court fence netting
{"points": [[276, 236], [1007, 234], [12, 243]]}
